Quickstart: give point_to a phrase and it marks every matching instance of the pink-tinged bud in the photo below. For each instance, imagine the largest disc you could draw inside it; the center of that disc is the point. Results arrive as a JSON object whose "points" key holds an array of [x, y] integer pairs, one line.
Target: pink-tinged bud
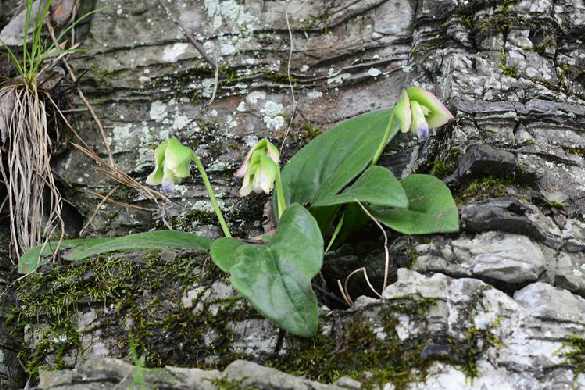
{"points": [[242, 170], [420, 111], [272, 152], [438, 114], [259, 169]]}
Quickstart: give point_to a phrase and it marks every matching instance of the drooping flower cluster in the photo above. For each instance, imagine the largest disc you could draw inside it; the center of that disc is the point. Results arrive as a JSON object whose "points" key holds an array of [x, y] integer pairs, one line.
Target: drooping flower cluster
{"points": [[173, 164], [259, 169], [420, 111]]}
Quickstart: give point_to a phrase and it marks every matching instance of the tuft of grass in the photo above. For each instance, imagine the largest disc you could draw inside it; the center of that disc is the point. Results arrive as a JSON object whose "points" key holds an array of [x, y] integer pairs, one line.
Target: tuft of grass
{"points": [[24, 128], [39, 49]]}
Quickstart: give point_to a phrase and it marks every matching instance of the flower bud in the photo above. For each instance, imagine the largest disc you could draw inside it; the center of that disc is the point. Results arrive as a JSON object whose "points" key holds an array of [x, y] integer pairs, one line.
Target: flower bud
{"points": [[259, 169], [420, 111]]}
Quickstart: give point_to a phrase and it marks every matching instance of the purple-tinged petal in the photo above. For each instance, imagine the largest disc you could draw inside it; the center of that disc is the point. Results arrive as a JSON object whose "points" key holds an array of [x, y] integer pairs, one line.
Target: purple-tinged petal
{"points": [[402, 112], [168, 181], [423, 132], [438, 115], [419, 123]]}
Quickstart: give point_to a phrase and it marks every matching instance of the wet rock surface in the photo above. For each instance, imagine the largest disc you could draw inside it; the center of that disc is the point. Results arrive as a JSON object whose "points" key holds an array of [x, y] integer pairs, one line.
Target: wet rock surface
{"points": [[501, 302]]}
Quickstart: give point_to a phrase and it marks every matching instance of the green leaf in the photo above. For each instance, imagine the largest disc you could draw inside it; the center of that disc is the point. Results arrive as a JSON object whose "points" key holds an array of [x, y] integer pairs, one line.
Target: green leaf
{"points": [[29, 261], [431, 208], [276, 277], [224, 252], [80, 249], [332, 160], [150, 240], [354, 219], [377, 185]]}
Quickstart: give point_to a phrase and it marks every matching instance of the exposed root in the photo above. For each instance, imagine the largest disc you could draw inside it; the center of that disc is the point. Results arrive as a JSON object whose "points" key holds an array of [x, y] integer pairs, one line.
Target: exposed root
{"points": [[343, 288], [25, 166]]}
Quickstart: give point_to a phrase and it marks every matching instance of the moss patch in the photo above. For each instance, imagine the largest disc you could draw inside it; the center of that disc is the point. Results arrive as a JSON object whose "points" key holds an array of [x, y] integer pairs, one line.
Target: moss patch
{"points": [[137, 296], [374, 354], [446, 166], [357, 352], [487, 187], [573, 352]]}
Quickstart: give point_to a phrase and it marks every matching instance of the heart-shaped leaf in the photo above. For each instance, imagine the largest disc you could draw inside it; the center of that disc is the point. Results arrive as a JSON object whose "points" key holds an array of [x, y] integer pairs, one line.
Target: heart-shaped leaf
{"points": [[431, 208], [224, 252], [332, 160], [276, 277], [80, 249], [377, 185]]}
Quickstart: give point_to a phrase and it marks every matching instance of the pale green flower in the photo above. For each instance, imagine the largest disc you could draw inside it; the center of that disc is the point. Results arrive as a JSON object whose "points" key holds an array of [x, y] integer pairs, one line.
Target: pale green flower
{"points": [[173, 164]]}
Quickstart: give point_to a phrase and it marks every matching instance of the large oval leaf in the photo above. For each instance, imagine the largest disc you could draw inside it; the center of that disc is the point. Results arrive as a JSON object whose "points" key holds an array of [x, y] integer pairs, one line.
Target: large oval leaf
{"points": [[276, 277], [431, 208], [80, 249], [377, 185], [332, 160]]}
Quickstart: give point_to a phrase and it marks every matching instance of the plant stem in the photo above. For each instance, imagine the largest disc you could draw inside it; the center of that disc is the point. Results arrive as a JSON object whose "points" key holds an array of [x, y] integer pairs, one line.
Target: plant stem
{"points": [[280, 194], [384, 140], [336, 232], [222, 222]]}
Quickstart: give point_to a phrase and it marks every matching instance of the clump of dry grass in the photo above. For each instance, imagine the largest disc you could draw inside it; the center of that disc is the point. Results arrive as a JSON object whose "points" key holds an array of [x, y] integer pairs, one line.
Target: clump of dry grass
{"points": [[25, 167]]}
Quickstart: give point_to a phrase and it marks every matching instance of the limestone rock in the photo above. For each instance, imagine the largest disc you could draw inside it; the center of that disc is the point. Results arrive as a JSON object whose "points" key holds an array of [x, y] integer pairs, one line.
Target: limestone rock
{"points": [[503, 299], [115, 374]]}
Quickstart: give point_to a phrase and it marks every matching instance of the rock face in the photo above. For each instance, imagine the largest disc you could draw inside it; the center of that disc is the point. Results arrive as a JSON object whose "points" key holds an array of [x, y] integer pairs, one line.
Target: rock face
{"points": [[117, 374], [501, 302], [452, 329]]}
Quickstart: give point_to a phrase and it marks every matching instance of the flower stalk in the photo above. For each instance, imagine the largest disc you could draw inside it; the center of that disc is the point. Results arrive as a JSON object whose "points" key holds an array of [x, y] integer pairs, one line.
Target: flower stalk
{"points": [[172, 165], [207, 184]]}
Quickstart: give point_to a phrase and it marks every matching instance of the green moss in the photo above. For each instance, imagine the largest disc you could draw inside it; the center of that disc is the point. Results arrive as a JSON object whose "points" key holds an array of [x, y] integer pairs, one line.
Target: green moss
{"points": [[133, 293], [358, 350], [510, 71], [228, 74], [224, 383], [445, 167], [476, 341], [412, 254], [573, 353], [466, 19], [278, 78], [484, 188], [541, 47], [104, 76], [309, 131], [576, 151]]}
